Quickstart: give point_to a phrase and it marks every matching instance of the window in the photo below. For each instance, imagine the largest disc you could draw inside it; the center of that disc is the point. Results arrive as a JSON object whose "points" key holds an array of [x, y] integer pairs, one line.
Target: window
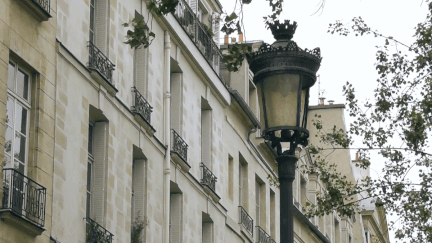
{"points": [[337, 231], [138, 189], [17, 118], [96, 167], [207, 228], [272, 214], [140, 70], [206, 136], [243, 182], [99, 24], [90, 178], [175, 217], [260, 202], [230, 177], [176, 101]]}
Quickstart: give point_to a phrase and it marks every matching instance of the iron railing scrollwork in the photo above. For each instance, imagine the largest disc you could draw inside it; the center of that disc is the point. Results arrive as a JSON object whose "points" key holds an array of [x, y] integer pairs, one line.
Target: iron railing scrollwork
{"points": [[208, 178], [262, 236], [141, 106], [24, 197], [179, 145], [99, 62], [44, 4], [246, 220], [95, 233], [199, 35]]}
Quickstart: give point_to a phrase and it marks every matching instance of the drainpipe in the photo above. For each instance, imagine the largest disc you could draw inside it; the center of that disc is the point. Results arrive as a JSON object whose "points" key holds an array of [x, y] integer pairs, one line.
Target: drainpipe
{"points": [[167, 133]]}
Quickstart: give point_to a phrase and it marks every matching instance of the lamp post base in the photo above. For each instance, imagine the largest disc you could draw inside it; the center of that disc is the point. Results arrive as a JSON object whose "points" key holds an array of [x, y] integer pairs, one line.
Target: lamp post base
{"points": [[286, 169]]}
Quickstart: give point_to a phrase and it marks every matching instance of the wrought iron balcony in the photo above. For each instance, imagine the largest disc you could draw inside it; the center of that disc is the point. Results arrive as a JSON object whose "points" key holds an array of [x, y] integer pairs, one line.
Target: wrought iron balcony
{"points": [[95, 233], [208, 178], [23, 197], [245, 220], [100, 63], [262, 236], [179, 146], [141, 106], [199, 35], [44, 4]]}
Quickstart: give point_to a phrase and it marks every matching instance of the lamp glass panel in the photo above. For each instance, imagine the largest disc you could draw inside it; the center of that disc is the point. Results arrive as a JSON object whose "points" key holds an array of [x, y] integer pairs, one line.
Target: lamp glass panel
{"points": [[303, 106], [280, 99]]}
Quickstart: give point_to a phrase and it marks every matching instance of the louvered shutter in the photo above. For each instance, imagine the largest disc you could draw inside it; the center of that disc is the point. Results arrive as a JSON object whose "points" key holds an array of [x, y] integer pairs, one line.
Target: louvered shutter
{"points": [[138, 180], [193, 5], [216, 28], [206, 137], [207, 232], [175, 218], [100, 166], [141, 70], [101, 26], [176, 102]]}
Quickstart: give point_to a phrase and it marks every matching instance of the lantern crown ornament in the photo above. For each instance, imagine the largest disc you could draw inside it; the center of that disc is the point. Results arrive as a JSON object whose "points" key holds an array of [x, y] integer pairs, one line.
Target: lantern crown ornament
{"points": [[283, 74]]}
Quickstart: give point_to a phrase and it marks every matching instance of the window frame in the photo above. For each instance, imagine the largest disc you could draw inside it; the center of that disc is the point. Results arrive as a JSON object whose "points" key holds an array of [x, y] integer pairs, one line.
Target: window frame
{"points": [[17, 99], [90, 163]]}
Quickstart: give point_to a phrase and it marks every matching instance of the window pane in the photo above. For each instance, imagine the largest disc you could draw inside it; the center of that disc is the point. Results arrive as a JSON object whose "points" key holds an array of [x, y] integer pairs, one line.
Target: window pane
{"points": [[90, 140], [8, 140], [19, 167], [9, 111], [21, 119], [88, 205], [22, 84], [11, 77], [19, 147], [89, 172], [6, 162]]}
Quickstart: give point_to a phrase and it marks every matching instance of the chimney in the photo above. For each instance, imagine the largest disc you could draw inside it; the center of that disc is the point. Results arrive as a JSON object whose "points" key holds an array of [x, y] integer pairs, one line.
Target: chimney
{"points": [[241, 37], [321, 100], [331, 102], [226, 41], [233, 40], [357, 156]]}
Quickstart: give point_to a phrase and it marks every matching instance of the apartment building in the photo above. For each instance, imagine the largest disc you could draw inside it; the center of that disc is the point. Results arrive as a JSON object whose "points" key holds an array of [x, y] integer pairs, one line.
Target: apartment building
{"points": [[104, 143]]}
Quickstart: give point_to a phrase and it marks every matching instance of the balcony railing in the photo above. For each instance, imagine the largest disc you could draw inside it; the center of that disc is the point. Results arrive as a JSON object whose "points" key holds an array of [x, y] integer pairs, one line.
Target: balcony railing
{"points": [[100, 63], [262, 236], [208, 178], [179, 146], [23, 197], [141, 106], [95, 233], [44, 4], [246, 220], [199, 35]]}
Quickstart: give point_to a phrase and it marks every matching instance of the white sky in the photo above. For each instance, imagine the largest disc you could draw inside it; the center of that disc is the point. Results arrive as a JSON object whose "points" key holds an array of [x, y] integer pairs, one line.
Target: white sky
{"points": [[344, 58]]}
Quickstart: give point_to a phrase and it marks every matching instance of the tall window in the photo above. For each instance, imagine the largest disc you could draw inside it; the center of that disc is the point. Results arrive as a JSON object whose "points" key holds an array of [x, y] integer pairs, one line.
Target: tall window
{"points": [[176, 101], [230, 177], [243, 182], [96, 170], [260, 202], [90, 178], [17, 118], [175, 217], [257, 203], [207, 228], [138, 189], [92, 20], [206, 136], [99, 24], [272, 214]]}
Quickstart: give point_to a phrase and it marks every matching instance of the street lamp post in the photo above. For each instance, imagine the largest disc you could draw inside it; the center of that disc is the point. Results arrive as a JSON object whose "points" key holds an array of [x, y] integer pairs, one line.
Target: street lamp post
{"points": [[283, 74]]}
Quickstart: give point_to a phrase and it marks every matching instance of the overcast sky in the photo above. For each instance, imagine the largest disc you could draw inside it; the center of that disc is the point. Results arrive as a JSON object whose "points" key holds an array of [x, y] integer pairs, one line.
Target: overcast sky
{"points": [[344, 58]]}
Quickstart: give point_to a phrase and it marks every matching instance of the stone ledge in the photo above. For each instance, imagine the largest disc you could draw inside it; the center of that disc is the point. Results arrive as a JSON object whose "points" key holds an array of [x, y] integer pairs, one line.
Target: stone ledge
{"points": [[212, 194], [37, 11], [179, 161], [21, 223], [149, 129], [112, 90]]}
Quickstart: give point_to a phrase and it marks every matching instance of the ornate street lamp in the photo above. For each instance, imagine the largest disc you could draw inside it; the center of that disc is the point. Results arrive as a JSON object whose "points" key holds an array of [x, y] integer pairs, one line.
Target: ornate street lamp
{"points": [[284, 74]]}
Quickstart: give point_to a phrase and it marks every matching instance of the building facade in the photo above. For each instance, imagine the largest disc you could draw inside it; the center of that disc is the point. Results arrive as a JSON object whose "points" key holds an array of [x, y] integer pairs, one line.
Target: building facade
{"points": [[104, 143]]}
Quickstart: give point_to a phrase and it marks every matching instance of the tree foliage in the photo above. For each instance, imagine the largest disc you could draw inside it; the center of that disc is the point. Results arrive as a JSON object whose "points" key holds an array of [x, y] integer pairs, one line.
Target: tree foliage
{"points": [[396, 122]]}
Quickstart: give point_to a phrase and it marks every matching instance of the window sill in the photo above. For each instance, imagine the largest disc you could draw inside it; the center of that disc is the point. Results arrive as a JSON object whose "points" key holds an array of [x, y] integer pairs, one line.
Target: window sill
{"points": [[37, 11], [179, 161], [112, 90], [142, 122], [212, 194], [20, 223]]}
